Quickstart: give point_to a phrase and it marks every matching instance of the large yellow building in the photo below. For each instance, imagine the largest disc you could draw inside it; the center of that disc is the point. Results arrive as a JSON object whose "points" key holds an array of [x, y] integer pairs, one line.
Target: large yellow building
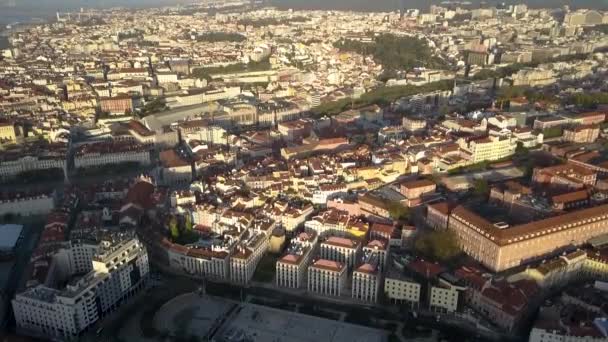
{"points": [[7, 132], [499, 246]]}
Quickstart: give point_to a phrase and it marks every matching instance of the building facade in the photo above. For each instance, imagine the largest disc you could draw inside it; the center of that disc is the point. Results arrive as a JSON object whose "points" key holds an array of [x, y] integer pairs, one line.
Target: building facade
{"points": [[327, 277]]}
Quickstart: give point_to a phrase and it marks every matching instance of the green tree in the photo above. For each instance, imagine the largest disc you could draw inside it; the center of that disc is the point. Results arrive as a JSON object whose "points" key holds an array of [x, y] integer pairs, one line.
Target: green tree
{"points": [[174, 228], [398, 211], [481, 187], [438, 245], [553, 132], [521, 151], [188, 223], [394, 52], [213, 37]]}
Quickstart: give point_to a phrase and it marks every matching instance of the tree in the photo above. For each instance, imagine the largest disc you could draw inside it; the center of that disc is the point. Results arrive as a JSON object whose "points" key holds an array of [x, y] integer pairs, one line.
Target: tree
{"points": [[438, 245], [394, 52], [188, 223], [521, 151], [481, 187], [553, 132], [174, 228], [398, 211], [213, 37]]}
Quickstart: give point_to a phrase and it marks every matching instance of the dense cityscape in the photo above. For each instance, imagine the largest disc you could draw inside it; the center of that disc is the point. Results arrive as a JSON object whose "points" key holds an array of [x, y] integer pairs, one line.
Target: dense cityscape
{"points": [[232, 171]]}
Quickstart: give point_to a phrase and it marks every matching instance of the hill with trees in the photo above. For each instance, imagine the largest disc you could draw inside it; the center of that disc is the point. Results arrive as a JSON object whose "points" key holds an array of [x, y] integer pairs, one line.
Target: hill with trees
{"points": [[394, 52]]}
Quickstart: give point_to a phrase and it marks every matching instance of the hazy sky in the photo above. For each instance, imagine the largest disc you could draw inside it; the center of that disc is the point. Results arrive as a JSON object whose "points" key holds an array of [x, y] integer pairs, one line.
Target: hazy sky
{"points": [[321, 4], [38, 8]]}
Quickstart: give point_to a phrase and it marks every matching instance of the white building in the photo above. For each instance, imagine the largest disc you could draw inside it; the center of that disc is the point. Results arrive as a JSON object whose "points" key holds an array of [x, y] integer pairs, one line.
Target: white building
{"points": [[10, 168], [211, 262], [596, 334], [41, 204], [367, 279], [340, 249], [489, 148], [444, 296], [110, 153], [118, 270], [246, 256], [327, 277], [291, 268], [380, 248], [399, 289], [329, 222]]}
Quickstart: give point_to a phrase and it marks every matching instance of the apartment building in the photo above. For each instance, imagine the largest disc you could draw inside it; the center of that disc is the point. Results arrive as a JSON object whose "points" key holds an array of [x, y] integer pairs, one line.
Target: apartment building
{"points": [[27, 204], [110, 153], [329, 222], [343, 250], [582, 134], [291, 268], [119, 269], [32, 159], [246, 256], [489, 148], [443, 299], [570, 176], [401, 289], [367, 278], [327, 277], [213, 262], [380, 248]]}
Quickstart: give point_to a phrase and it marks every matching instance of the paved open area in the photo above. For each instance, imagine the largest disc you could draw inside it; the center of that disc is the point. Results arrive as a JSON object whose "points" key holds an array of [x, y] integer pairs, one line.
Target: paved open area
{"points": [[252, 322], [467, 181], [192, 315]]}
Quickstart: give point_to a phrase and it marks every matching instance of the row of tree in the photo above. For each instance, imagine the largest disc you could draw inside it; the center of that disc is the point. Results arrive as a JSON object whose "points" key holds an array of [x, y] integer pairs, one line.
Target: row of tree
{"points": [[380, 96], [213, 37], [205, 73], [272, 21]]}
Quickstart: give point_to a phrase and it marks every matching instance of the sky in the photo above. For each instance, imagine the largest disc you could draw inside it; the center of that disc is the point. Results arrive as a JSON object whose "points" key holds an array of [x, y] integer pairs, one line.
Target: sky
{"points": [[19, 10]]}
